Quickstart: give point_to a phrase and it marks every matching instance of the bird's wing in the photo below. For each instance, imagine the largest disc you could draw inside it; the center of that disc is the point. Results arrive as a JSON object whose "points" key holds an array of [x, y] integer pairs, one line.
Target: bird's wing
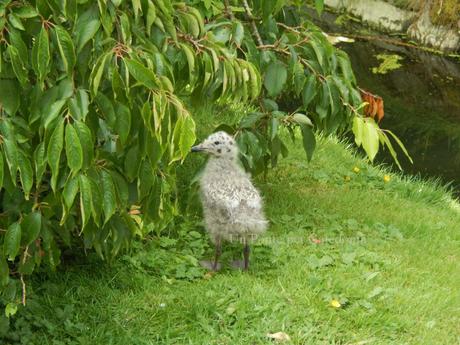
{"points": [[229, 197]]}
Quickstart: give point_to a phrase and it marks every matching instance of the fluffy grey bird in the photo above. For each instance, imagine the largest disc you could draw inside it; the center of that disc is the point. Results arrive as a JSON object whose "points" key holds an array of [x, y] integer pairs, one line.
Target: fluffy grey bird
{"points": [[232, 205]]}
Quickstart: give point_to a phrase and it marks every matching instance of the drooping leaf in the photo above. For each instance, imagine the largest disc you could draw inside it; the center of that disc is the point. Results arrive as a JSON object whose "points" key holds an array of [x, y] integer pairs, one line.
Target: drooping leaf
{"points": [[12, 241], [309, 141], [370, 138], [66, 48], [358, 130], [9, 95], [70, 192], [142, 74], [86, 141], [85, 199], [309, 90], [319, 6], [40, 162], [86, 27], [109, 196], [54, 150], [18, 65], [123, 122], [42, 55], [31, 226], [96, 73], [187, 137], [73, 148], [275, 78], [26, 173]]}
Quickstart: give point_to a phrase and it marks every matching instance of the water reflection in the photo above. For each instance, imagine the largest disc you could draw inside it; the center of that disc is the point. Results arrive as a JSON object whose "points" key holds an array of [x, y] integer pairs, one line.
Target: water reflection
{"points": [[422, 103]]}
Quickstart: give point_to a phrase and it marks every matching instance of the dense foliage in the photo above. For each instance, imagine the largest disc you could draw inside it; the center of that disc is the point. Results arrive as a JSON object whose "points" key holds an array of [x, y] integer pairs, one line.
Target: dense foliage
{"points": [[94, 115]]}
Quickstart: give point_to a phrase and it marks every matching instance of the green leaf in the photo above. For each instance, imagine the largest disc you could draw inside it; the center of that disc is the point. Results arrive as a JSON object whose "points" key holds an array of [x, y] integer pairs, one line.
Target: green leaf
{"points": [[18, 65], [96, 73], [70, 192], [10, 94], [309, 90], [86, 141], [142, 74], [26, 11], [26, 173], [401, 145], [85, 199], [370, 138], [109, 197], [106, 107], [136, 7], [11, 309], [42, 55], [73, 148], [39, 162], [132, 163], [345, 67], [302, 119], [53, 112], [123, 122], [151, 15], [18, 43], [96, 201], [2, 171], [79, 105], [54, 150], [187, 137], [12, 156], [308, 140], [31, 226], [275, 78], [386, 141], [12, 241], [66, 48], [357, 129], [319, 6], [189, 56], [86, 27], [15, 21], [237, 32]]}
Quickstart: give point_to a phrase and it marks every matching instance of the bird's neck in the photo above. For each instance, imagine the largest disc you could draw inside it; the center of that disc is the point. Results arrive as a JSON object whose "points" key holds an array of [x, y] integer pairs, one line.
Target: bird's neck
{"points": [[224, 163]]}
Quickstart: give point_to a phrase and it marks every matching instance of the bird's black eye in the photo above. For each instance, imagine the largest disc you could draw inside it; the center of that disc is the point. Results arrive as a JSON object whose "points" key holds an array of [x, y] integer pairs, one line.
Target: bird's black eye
{"points": [[216, 143]]}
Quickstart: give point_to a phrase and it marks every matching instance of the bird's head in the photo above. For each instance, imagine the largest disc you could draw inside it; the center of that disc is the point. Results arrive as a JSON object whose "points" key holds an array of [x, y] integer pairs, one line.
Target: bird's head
{"points": [[219, 144]]}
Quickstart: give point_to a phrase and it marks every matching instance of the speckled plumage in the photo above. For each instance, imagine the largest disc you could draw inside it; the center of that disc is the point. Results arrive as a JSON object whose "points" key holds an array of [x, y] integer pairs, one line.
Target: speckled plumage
{"points": [[232, 205]]}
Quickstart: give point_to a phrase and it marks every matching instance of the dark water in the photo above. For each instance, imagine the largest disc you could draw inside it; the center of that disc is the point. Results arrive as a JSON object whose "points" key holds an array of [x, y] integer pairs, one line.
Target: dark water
{"points": [[422, 102]]}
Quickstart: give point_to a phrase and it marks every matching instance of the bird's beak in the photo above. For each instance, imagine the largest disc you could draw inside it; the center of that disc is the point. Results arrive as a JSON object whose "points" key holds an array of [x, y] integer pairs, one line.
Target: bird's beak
{"points": [[197, 148]]}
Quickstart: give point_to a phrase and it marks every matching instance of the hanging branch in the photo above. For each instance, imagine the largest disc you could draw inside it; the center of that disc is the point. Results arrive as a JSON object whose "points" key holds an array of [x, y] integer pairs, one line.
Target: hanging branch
{"points": [[228, 10], [251, 18]]}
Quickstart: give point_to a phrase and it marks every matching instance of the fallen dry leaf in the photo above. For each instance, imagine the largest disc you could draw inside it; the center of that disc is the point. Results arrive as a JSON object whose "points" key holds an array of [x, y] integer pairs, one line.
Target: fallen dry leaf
{"points": [[279, 336]]}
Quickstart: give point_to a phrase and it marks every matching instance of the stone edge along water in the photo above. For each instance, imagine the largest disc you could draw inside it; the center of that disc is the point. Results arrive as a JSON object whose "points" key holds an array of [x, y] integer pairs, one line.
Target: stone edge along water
{"points": [[388, 17]]}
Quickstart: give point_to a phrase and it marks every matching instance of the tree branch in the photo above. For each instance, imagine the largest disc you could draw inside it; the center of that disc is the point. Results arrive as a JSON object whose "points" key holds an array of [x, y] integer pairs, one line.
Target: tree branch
{"points": [[228, 10], [251, 18]]}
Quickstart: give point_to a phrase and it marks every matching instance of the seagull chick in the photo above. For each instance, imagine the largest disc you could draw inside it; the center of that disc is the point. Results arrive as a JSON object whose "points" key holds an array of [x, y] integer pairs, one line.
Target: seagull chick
{"points": [[232, 205]]}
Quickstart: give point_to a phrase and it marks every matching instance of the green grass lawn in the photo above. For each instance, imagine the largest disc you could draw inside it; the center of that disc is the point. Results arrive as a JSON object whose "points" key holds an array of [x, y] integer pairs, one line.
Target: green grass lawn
{"points": [[387, 252]]}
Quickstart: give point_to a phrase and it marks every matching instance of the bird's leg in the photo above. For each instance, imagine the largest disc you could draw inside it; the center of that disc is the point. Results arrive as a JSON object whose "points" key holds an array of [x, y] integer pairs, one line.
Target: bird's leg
{"points": [[243, 264], [215, 265], [246, 256]]}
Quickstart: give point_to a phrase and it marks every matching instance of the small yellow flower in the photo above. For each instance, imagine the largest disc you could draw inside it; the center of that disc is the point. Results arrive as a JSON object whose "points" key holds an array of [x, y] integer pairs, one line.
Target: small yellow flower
{"points": [[335, 303], [386, 178], [356, 169], [347, 178]]}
